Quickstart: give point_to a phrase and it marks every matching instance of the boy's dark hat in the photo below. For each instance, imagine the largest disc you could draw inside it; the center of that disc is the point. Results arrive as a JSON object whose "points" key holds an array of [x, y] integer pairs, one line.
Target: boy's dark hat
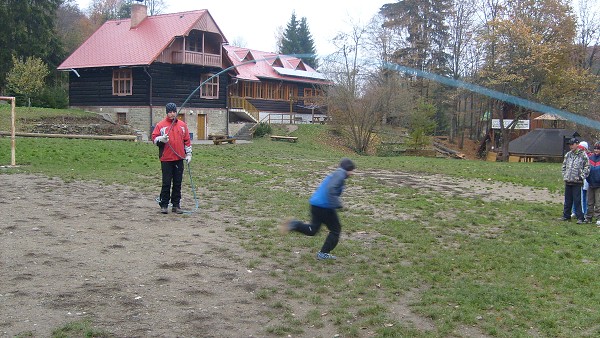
{"points": [[573, 140], [347, 164], [170, 107]]}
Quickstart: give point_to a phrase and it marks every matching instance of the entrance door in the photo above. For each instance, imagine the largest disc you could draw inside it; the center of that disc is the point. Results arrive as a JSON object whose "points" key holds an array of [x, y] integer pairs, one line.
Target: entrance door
{"points": [[201, 132]]}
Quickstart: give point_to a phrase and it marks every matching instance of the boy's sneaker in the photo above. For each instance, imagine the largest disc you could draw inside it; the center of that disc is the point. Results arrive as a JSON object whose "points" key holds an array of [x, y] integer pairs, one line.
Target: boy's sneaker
{"points": [[286, 226], [598, 223], [325, 255], [580, 221], [177, 210], [164, 210]]}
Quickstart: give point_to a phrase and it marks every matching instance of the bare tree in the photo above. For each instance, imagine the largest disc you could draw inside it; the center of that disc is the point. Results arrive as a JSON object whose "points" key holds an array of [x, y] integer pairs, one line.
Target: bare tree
{"points": [[461, 26], [356, 108], [155, 6], [397, 97], [588, 36]]}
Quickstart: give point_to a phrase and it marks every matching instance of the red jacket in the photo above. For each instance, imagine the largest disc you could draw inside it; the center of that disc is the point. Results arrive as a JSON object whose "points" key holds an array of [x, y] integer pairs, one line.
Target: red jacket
{"points": [[179, 144]]}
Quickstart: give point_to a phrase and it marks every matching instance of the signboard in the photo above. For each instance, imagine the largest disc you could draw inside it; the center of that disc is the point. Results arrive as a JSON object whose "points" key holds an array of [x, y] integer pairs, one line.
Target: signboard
{"points": [[521, 124]]}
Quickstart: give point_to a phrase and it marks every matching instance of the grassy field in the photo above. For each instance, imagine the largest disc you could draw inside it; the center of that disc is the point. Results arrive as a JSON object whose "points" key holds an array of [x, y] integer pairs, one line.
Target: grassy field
{"points": [[461, 266]]}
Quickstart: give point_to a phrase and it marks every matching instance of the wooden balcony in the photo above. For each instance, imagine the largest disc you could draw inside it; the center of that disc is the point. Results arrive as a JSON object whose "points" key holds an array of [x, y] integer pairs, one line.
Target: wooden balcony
{"points": [[196, 58]]}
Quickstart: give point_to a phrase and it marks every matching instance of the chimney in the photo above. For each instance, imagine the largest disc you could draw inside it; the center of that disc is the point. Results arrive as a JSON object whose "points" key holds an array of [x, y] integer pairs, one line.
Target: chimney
{"points": [[138, 13]]}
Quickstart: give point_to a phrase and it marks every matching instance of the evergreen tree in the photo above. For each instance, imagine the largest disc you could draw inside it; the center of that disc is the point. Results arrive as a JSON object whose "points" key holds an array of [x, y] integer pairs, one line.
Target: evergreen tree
{"points": [[298, 40], [426, 32], [289, 41], [28, 29], [307, 44]]}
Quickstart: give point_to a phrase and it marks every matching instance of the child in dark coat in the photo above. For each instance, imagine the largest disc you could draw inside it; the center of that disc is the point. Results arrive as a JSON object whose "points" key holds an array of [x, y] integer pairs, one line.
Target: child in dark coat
{"points": [[323, 204]]}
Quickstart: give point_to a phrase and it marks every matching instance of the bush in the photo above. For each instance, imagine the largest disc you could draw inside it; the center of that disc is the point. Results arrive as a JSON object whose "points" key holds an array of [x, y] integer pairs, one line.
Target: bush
{"points": [[263, 129], [52, 97]]}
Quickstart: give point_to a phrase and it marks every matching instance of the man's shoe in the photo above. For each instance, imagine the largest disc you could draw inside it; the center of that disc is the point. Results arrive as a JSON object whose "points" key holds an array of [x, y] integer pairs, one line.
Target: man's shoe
{"points": [[177, 210], [325, 255], [580, 221], [164, 210]]}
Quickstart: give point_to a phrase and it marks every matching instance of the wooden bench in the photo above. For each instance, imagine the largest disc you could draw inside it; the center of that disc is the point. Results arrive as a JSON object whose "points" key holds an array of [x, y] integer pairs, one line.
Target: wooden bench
{"points": [[284, 138], [216, 137], [223, 140]]}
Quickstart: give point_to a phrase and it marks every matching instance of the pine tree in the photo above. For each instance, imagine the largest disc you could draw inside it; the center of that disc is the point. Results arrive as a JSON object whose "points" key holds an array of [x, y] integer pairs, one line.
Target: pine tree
{"points": [[307, 44], [298, 40]]}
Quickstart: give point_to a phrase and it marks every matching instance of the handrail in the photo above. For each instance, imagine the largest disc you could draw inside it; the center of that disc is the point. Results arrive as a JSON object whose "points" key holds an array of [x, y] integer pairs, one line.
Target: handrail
{"points": [[237, 102]]}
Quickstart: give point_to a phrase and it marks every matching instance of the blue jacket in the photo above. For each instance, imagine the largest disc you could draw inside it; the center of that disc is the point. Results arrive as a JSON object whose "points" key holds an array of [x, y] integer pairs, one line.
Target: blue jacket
{"points": [[594, 176], [328, 193]]}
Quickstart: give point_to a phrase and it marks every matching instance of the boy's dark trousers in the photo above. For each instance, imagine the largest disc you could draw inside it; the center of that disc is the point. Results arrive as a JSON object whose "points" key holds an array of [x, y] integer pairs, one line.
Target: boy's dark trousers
{"points": [[573, 198], [171, 172], [320, 216]]}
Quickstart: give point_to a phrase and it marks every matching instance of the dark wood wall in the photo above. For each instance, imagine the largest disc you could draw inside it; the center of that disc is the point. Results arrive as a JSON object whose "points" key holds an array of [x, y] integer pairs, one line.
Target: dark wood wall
{"points": [[170, 83]]}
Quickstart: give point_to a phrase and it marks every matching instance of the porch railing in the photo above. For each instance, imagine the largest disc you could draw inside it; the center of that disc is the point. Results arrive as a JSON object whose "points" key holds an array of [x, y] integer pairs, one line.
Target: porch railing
{"points": [[236, 102]]}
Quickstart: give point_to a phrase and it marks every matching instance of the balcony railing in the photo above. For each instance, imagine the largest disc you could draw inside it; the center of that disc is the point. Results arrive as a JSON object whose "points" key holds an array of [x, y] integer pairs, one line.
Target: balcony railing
{"points": [[196, 58]]}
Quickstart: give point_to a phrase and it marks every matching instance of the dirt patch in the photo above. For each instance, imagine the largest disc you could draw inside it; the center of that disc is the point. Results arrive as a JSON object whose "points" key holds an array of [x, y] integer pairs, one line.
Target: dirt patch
{"points": [[76, 250], [72, 250], [486, 190], [92, 125]]}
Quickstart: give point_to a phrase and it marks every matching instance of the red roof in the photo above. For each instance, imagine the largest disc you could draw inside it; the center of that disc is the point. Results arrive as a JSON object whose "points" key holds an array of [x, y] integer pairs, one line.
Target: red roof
{"points": [[265, 66], [115, 43]]}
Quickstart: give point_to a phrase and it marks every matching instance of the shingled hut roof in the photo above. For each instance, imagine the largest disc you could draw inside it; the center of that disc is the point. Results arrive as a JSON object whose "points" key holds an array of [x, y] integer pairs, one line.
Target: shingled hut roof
{"points": [[541, 142]]}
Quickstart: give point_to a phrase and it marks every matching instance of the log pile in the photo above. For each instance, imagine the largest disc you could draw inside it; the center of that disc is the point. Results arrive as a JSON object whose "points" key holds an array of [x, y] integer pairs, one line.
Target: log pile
{"points": [[440, 148]]}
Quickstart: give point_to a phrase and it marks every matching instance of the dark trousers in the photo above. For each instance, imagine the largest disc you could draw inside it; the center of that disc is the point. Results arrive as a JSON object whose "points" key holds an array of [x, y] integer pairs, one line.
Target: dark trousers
{"points": [[172, 172], [573, 199], [321, 216]]}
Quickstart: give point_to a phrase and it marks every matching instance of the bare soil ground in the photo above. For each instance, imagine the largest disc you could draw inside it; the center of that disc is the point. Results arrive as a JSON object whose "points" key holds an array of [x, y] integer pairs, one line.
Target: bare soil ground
{"points": [[73, 250]]}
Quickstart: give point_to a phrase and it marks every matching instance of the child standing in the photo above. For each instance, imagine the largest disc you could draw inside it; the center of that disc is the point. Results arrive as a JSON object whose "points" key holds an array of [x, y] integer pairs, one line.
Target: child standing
{"points": [[323, 204], [593, 197]]}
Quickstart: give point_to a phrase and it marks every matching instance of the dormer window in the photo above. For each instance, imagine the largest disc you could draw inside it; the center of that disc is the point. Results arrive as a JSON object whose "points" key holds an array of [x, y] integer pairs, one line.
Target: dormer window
{"points": [[277, 63], [248, 57], [301, 66]]}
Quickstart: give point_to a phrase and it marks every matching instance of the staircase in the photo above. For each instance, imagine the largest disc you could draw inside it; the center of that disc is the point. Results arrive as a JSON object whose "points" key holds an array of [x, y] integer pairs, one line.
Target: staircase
{"points": [[246, 132]]}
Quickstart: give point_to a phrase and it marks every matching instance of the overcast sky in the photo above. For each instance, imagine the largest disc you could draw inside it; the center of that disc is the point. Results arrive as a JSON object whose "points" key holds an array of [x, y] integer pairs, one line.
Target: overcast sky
{"points": [[256, 22]]}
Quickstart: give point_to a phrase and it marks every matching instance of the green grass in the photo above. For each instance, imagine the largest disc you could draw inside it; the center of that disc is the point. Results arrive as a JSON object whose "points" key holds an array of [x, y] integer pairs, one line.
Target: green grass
{"points": [[503, 268]]}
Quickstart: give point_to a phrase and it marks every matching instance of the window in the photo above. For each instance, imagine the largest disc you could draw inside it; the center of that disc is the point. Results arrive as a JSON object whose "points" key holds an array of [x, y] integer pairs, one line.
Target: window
{"points": [[210, 89], [194, 42], [122, 82], [121, 118]]}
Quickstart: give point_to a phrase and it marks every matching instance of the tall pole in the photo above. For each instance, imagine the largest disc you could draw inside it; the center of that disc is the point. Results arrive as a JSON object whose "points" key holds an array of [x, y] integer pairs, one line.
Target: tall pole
{"points": [[12, 127], [12, 132]]}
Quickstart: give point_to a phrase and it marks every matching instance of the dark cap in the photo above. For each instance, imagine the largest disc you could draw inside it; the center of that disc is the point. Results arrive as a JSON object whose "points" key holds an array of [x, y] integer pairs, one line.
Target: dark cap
{"points": [[170, 107], [573, 140], [347, 164]]}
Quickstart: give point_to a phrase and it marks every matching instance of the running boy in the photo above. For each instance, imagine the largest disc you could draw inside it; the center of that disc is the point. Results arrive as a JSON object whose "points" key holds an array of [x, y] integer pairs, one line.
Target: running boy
{"points": [[323, 204]]}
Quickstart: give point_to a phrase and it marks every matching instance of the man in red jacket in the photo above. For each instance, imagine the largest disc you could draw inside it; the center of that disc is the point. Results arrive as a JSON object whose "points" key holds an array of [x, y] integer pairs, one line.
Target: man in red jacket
{"points": [[173, 140]]}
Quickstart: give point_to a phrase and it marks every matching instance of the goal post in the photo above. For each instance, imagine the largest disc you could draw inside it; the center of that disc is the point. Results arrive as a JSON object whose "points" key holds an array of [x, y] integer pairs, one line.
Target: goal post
{"points": [[12, 127]]}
